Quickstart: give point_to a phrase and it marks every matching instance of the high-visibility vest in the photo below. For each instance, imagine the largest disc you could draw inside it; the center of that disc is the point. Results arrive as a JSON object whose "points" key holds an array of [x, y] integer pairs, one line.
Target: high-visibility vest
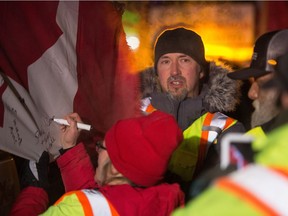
{"points": [[253, 190], [191, 153], [264, 189], [257, 133], [146, 105], [86, 202]]}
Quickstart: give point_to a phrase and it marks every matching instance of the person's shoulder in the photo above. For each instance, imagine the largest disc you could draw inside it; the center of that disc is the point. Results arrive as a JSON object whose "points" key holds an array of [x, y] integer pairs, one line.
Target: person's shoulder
{"points": [[236, 127]]}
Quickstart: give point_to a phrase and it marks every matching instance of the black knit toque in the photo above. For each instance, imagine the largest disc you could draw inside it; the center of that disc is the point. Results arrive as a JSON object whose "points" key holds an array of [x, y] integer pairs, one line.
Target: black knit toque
{"points": [[180, 40]]}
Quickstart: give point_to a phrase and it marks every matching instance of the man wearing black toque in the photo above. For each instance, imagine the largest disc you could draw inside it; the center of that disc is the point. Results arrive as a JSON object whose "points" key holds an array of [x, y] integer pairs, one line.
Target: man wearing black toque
{"points": [[197, 93]]}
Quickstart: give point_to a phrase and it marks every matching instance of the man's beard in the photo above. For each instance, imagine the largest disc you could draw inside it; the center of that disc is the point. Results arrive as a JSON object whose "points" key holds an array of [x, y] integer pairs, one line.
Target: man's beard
{"points": [[264, 111], [178, 97], [177, 94]]}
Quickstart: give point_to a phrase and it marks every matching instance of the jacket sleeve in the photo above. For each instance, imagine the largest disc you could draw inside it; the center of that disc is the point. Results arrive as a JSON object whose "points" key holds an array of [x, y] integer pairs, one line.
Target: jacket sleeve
{"points": [[31, 201], [76, 169]]}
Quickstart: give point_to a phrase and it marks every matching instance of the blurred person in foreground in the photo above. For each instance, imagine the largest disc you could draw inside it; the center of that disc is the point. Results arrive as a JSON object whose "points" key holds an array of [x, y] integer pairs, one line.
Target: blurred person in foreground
{"points": [[260, 188], [132, 161], [197, 93]]}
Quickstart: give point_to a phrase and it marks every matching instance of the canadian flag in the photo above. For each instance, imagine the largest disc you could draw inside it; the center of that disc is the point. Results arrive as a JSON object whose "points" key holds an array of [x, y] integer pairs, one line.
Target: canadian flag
{"points": [[57, 58]]}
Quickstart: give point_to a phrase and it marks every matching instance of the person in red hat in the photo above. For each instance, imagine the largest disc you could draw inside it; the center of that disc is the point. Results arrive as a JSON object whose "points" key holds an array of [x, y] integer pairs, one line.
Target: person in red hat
{"points": [[132, 161]]}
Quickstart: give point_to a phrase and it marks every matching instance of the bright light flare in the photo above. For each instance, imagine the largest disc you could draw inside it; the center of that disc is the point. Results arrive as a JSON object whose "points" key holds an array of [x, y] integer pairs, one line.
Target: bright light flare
{"points": [[133, 42]]}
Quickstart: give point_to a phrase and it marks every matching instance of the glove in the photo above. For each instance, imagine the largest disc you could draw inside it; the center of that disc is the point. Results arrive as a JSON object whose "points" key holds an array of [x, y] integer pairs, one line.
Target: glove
{"points": [[35, 174]]}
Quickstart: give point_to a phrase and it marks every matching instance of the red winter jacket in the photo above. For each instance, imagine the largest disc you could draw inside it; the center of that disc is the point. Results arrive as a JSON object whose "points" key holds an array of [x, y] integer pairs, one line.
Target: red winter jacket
{"points": [[78, 173]]}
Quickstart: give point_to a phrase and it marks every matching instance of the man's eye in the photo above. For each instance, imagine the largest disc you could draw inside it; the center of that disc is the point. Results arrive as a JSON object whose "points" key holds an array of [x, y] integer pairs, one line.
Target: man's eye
{"points": [[185, 60], [164, 61]]}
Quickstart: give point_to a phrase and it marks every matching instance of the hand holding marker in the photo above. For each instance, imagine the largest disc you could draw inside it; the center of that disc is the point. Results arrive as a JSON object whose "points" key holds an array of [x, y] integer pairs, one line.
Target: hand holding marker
{"points": [[79, 125]]}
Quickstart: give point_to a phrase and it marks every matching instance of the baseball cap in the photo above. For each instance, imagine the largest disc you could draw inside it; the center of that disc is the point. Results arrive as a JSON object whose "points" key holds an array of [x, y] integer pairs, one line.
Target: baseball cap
{"points": [[280, 79], [268, 47]]}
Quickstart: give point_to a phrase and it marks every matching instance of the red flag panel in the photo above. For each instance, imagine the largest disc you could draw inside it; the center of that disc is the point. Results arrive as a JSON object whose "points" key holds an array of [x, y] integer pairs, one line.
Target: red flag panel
{"points": [[61, 57]]}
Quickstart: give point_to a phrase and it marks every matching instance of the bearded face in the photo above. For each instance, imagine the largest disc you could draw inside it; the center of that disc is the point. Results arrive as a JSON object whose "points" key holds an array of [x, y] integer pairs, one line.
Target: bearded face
{"points": [[179, 75], [264, 100], [265, 105], [177, 87]]}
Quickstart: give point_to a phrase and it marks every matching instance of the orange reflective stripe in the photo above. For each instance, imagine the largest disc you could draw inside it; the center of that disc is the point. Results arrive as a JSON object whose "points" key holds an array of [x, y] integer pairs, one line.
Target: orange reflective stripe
{"points": [[150, 108], [229, 186], [280, 170], [203, 141], [85, 203], [82, 199], [91, 202], [112, 209], [229, 121]]}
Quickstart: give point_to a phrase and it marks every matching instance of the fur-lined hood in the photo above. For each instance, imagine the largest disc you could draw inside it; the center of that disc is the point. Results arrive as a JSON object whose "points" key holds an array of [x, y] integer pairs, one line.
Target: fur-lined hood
{"points": [[220, 94]]}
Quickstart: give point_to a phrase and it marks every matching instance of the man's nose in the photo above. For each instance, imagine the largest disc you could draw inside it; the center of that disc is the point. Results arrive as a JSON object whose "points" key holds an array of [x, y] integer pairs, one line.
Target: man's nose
{"points": [[253, 91], [175, 70]]}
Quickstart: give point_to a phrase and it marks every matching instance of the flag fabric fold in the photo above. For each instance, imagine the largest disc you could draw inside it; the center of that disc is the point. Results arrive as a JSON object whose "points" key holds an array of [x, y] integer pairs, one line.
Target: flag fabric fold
{"points": [[58, 57]]}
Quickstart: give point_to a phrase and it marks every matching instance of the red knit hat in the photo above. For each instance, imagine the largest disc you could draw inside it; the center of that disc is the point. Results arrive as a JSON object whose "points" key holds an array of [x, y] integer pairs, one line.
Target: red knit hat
{"points": [[140, 148]]}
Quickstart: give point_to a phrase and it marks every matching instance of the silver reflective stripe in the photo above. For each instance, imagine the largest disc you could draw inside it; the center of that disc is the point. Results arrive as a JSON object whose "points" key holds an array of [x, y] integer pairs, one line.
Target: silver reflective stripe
{"points": [[217, 125], [97, 202], [267, 185], [212, 128], [145, 102]]}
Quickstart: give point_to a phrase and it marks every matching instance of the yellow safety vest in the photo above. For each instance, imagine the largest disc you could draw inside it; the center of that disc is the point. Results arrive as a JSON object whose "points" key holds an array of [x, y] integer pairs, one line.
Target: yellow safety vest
{"points": [[268, 196], [257, 133], [252, 190], [191, 153], [86, 202]]}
